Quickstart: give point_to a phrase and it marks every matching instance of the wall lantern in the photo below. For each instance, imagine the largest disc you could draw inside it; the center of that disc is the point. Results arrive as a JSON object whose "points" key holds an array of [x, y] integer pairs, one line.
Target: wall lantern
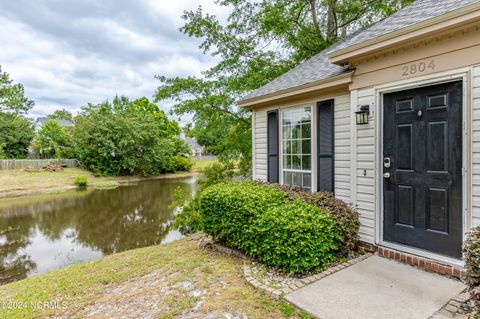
{"points": [[362, 115]]}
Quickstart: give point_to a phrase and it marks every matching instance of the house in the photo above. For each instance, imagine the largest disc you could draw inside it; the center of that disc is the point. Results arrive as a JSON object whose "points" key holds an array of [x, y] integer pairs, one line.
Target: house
{"points": [[42, 120], [197, 149], [388, 119]]}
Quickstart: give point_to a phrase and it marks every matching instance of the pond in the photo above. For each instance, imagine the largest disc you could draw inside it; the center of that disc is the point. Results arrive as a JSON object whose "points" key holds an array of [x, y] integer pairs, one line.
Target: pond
{"points": [[39, 234]]}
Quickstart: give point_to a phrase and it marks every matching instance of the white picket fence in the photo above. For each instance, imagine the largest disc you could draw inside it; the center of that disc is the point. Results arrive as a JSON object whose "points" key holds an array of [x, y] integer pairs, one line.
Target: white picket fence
{"points": [[35, 163]]}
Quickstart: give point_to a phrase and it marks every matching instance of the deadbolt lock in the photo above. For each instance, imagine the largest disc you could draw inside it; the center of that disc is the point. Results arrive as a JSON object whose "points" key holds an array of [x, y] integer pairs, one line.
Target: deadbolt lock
{"points": [[387, 162]]}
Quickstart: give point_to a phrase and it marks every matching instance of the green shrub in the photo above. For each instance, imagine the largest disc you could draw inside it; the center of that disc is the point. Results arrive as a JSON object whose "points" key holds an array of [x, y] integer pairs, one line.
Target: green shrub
{"points": [[218, 172], [346, 219], [187, 221], [182, 164], [296, 237], [81, 181], [263, 223], [472, 258]]}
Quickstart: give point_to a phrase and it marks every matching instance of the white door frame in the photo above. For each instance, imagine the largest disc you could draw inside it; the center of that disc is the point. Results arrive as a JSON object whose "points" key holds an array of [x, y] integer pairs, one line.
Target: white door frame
{"points": [[464, 75]]}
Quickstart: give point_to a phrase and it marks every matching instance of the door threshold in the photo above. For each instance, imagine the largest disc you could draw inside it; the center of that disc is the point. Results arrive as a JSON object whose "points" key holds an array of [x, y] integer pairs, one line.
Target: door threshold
{"points": [[424, 254]]}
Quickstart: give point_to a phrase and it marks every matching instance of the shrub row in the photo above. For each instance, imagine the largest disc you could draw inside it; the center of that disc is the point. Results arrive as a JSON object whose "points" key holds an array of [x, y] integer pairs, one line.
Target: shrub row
{"points": [[262, 222], [346, 219], [472, 258]]}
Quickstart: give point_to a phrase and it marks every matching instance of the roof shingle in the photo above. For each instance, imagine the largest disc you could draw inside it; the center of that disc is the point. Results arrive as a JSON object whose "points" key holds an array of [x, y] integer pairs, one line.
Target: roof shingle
{"points": [[319, 67]]}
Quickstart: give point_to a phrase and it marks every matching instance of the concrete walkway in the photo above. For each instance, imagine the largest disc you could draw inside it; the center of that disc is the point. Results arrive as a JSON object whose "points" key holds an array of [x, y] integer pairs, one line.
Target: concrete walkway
{"points": [[377, 288]]}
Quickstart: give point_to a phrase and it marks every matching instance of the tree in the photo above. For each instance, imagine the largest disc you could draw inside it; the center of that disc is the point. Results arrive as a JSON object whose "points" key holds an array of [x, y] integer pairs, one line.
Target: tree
{"points": [[16, 133], [12, 96], [54, 140], [62, 114], [128, 137], [260, 41], [166, 127]]}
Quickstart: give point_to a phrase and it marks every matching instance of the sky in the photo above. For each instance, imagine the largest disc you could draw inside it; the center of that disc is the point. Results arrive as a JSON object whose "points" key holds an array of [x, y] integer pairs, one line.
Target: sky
{"points": [[70, 52]]}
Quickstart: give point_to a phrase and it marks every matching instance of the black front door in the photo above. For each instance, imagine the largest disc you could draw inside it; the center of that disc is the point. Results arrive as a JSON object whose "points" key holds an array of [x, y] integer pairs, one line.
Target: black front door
{"points": [[422, 165]]}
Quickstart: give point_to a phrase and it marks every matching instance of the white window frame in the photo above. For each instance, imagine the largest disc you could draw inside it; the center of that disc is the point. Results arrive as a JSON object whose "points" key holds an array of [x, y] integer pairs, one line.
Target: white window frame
{"points": [[313, 161]]}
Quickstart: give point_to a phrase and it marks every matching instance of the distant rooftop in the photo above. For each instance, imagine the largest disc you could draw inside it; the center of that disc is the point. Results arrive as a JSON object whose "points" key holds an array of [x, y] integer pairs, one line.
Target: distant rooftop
{"points": [[62, 122], [193, 143]]}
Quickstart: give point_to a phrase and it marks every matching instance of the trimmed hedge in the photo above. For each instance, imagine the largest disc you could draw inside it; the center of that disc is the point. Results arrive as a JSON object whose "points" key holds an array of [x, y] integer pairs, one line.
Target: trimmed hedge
{"points": [[263, 223], [472, 257], [228, 209], [346, 219]]}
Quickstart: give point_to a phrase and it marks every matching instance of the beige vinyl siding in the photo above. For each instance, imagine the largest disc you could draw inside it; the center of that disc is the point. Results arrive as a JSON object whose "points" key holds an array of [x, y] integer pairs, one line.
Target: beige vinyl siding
{"points": [[342, 118], [365, 184], [260, 145], [476, 147], [342, 123]]}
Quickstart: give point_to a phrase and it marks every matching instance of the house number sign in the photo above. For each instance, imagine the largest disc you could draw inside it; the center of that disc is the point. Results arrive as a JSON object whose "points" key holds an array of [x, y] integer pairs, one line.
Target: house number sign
{"points": [[419, 67]]}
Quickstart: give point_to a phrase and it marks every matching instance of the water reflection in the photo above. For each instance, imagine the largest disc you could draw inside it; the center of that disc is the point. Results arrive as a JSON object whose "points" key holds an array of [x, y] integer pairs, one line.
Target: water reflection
{"points": [[54, 231]]}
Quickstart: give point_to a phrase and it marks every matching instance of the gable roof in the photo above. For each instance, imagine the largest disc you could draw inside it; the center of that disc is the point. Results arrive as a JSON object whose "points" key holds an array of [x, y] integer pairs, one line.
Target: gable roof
{"points": [[193, 143], [314, 69], [61, 122], [319, 66], [418, 11]]}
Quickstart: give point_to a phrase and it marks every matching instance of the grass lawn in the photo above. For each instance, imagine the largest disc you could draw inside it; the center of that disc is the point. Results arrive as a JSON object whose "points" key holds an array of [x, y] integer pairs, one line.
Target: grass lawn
{"points": [[202, 164], [20, 180], [177, 280], [15, 180]]}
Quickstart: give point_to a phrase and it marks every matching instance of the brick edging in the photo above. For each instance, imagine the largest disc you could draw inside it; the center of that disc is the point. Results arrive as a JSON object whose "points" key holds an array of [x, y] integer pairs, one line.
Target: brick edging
{"points": [[415, 261], [278, 293], [457, 307], [422, 263]]}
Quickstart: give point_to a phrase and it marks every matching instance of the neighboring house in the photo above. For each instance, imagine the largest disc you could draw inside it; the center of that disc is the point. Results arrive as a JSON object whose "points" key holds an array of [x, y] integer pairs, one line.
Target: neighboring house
{"points": [[42, 120], [389, 120], [34, 154], [197, 149]]}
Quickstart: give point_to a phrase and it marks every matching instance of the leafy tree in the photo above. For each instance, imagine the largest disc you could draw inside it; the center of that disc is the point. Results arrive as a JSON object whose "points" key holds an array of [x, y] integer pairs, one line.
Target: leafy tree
{"points": [[144, 106], [54, 140], [2, 151], [259, 41], [12, 96], [62, 114], [16, 133], [129, 137]]}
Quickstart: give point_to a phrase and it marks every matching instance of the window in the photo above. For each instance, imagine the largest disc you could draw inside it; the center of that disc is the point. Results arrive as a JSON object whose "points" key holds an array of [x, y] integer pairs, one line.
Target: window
{"points": [[297, 147]]}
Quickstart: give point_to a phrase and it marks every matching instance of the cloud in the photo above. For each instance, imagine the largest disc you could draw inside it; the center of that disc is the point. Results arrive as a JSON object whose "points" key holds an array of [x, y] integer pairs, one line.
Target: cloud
{"points": [[69, 53]]}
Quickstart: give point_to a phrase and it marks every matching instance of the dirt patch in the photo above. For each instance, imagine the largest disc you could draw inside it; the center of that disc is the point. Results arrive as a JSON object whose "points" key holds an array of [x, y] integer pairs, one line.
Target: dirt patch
{"points": [[157, 295], [177, 280]]}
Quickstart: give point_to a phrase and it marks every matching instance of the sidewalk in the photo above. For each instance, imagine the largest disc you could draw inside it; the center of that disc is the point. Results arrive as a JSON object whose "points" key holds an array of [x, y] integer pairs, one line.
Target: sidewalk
{"points": [[377, 288]]}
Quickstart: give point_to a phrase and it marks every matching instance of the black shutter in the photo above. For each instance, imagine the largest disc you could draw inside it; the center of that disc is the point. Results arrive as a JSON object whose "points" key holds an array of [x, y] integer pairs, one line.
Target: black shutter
{"points": [[325, 146], [272, 146]]}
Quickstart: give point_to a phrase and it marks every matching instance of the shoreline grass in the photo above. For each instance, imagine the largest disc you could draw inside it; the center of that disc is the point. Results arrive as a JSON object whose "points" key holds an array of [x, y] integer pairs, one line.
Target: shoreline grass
{"points": [[15, 183]]}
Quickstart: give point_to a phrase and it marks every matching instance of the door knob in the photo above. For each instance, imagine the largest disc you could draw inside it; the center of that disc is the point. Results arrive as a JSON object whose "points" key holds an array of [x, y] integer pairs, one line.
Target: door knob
{"points": [[386, 175]]}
